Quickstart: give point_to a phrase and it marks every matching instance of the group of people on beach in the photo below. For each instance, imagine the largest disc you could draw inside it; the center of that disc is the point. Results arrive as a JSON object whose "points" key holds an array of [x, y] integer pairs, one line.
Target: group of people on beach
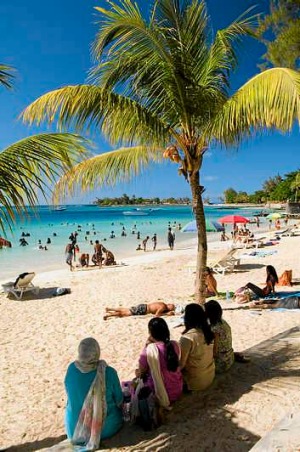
{"points": [[166, 369], [101, 256], [170, 239]]}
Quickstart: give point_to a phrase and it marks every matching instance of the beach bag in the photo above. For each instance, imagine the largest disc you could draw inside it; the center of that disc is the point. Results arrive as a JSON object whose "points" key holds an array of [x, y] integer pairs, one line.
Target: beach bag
{"points": [[286, 278], [144, 407]]}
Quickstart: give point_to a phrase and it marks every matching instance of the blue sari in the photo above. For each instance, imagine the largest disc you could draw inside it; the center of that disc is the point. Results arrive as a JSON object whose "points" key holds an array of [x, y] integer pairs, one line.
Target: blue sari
{"points": [[77, 386]]}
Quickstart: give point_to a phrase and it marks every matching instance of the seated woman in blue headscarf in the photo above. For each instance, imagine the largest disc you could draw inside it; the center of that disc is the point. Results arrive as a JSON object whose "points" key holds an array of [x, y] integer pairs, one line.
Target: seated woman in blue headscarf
{"points": [[93, 410]]}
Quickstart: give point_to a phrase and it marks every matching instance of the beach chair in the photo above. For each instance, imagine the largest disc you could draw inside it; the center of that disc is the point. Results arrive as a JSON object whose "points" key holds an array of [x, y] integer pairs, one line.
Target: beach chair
{"points": [[22, 285], [256, 243], [227, 263]]}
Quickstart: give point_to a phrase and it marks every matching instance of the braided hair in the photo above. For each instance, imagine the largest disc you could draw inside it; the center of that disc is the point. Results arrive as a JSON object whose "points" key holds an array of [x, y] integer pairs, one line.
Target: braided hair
{"points": [[159, 330]]}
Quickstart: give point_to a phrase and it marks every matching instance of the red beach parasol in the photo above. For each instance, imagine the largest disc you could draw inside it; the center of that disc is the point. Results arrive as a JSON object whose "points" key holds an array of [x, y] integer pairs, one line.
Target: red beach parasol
{"points": [[233, 219]]}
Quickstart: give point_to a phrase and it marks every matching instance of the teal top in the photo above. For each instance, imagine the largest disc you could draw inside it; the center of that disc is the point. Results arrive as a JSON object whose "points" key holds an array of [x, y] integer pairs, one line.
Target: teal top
{"points": [[77, 386]]}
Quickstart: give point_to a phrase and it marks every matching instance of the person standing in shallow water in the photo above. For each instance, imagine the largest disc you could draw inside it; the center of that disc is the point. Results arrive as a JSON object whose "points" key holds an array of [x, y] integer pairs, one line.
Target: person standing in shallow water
{"points": [[70, 252], [145, 243], [171, 239], [154, 241]]}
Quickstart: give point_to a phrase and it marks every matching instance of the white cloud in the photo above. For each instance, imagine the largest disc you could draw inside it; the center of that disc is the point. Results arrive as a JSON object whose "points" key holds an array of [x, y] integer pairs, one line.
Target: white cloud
{"points": [[210, 178], [208, 154]]}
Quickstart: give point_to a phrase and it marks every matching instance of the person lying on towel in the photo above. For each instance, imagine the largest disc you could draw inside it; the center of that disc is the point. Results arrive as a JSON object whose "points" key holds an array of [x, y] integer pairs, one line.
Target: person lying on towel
{"points": [[157, 308], [292, 302]]}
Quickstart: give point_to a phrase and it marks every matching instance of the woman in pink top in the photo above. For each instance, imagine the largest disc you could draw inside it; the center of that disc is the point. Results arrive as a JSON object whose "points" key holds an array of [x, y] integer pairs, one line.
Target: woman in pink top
{"points": [[159, 362]]}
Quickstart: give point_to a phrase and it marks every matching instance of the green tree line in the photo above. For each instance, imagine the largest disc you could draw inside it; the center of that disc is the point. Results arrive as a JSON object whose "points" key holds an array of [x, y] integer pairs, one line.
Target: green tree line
{"points": [[275, 188], [134, 200]]}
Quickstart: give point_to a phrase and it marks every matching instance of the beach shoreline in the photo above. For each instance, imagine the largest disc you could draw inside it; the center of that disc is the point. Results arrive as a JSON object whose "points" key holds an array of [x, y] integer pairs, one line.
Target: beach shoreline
{"points": [[92, 224]]}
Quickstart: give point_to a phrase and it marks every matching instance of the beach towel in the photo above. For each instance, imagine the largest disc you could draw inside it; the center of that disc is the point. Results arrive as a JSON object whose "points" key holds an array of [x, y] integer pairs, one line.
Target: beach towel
{"points": [[160, 390], [93, 413], [259, 253]]}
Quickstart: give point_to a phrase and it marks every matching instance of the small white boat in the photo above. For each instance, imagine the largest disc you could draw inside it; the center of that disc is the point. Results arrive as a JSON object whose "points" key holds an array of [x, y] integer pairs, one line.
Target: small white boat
{"points": [[59, 208], [136, 212]]}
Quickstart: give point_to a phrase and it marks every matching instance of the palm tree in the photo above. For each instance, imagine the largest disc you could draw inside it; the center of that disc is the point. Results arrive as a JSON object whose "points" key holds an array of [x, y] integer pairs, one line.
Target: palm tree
{"points": [[161, 89], [6, 75], [30, 165], [295, 185]]}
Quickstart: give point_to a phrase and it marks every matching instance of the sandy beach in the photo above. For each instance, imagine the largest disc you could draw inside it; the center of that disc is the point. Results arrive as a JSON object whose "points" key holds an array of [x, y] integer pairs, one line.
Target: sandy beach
{"points": [[39, 338]]}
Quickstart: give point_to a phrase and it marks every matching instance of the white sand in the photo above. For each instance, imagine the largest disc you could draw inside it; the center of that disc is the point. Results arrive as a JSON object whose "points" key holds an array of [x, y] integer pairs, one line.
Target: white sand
{"points": [[39, 338]]}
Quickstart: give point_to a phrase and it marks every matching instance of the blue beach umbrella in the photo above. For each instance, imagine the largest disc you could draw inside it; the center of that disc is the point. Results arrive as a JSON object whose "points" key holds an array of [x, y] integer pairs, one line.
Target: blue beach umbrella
{"points": [[211, 226]]}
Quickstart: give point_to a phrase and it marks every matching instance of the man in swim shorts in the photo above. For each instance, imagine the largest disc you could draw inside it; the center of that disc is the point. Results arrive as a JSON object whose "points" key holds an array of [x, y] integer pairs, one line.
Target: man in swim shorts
{"points": [[157, 308], [70, 254]]}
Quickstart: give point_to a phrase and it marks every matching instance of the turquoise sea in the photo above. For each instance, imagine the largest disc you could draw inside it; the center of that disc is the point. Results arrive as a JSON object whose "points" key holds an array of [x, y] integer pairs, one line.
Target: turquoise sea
{"points": [[96, 223]]}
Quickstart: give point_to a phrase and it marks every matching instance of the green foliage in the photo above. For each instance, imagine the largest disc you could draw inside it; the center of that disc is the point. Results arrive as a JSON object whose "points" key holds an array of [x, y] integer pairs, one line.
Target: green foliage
{"points": [[6, 75], [270, 184], [283, 190], [133, 200], [258, 197], [280, 32], [230, 196], [161, 85], [295, 185], [28, 167], [280, 189]]}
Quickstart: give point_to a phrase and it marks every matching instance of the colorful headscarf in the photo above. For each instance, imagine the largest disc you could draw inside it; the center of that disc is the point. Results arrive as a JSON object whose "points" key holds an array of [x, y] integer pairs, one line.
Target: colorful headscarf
{"points": [[88, 355], [88, 429]]}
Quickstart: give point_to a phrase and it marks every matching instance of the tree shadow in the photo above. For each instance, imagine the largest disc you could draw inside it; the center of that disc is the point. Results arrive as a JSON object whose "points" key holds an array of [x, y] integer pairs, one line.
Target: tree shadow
{"points": [[35, 445], [211, 420], [44, 292], [207, 418], [242, 268]]}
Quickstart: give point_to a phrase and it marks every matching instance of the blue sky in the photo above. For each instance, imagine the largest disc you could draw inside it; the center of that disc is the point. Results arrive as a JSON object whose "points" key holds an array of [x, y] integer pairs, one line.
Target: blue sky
{"points": [[49, 45]]}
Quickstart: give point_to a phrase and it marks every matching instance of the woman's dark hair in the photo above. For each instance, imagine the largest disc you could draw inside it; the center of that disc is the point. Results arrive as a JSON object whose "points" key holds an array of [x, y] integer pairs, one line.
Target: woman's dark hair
{"points": [[159, 330], [213, 311], [271, 273], [195, 317]]}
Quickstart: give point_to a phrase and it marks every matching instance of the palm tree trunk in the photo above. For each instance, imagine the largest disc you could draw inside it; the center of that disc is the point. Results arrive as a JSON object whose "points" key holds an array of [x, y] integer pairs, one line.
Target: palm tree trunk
{"points": [[202, 239]]}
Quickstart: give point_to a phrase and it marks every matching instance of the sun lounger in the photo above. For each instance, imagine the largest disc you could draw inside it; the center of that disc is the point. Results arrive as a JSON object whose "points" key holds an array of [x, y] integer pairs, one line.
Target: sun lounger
{"points": [[288, 232], [22, 285], [226, 264]]}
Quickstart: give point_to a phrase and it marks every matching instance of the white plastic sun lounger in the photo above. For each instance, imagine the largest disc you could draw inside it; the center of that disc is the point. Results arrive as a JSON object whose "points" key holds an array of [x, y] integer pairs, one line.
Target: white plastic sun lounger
{"points": [[22, 285]]}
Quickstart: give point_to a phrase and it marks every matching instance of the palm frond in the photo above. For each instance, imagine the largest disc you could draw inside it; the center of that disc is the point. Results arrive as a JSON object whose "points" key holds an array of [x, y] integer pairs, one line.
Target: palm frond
{"points": [[6, 75], [89, 106], [223, 57], [29, 166], [106, 169], [268, 100]]}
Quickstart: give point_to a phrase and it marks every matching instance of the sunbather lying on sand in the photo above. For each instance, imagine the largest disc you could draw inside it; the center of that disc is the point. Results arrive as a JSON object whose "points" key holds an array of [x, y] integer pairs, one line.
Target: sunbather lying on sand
{"points": [[157, 308], [292, 302]]}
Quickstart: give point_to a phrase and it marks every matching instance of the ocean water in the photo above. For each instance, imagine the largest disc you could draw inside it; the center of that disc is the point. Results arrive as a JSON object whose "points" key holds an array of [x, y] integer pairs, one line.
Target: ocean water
{"points": [[96, 223]]}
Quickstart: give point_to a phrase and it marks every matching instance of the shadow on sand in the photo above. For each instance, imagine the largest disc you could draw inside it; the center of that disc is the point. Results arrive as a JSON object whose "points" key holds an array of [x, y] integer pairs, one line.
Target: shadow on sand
{"points": [[44, 292], [212, 420]]}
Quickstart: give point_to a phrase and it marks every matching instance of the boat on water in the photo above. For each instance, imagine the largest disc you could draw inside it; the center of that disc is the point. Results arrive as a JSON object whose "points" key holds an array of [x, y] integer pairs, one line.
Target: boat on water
{"points": [[262, 213], [136, 212], [59, 208]]}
